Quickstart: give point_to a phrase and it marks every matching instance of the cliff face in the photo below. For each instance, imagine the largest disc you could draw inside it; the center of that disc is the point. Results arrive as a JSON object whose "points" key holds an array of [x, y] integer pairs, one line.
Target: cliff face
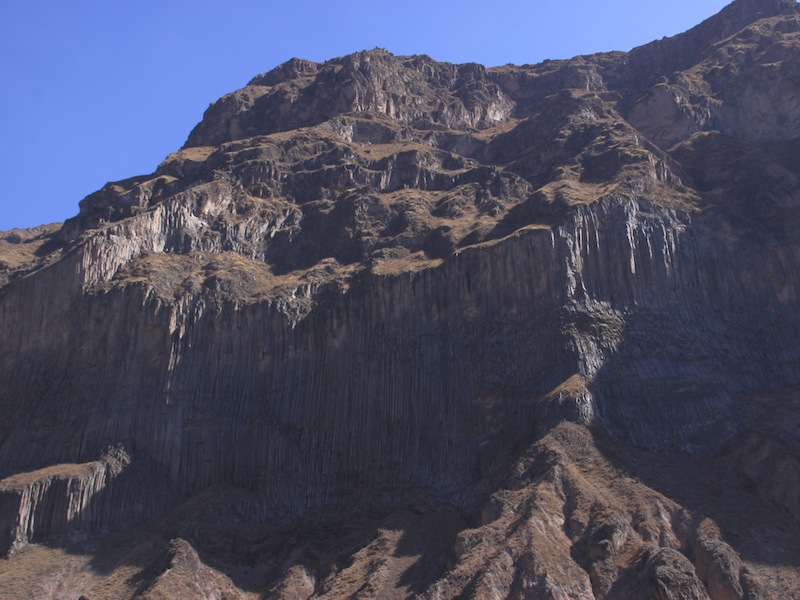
{"points": [[384, 284]]}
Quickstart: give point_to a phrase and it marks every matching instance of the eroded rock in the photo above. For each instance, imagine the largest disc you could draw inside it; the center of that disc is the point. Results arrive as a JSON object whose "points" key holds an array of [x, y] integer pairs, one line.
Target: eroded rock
{"points": [[483, 310]]}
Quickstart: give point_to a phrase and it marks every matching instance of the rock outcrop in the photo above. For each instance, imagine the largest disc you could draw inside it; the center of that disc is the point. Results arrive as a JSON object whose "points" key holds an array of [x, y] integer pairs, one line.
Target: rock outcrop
{"points": [[388, 326], [67, 501]]}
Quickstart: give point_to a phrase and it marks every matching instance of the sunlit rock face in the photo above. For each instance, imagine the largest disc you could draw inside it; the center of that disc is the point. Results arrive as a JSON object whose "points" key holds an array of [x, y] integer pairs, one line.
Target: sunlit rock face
{"points": [[413, 328]]}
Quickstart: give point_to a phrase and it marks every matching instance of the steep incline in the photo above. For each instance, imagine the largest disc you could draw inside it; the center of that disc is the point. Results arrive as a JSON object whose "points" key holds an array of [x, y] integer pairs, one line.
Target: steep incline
{"points": [[477, 310]]}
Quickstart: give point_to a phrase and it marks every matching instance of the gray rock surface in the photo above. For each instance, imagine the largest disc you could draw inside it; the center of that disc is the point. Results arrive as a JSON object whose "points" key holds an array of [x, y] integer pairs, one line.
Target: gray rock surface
{"points": [[376, 282]]}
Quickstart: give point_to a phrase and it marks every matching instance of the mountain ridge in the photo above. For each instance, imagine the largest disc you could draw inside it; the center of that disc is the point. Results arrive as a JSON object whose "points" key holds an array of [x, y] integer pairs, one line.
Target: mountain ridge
{"points": [[391, 326]]}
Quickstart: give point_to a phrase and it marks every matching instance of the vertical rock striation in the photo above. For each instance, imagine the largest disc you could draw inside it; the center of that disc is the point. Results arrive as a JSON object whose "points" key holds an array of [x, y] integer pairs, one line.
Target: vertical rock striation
{"points": [[378, 281]]}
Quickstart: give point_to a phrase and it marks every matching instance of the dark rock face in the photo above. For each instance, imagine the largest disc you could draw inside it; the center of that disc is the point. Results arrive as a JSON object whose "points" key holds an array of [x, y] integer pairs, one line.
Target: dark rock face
{"points": [[386, 284]]}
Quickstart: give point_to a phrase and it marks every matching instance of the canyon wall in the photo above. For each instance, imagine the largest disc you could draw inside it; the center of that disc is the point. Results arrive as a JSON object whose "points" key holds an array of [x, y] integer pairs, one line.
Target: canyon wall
{"points": [[382, 283]]}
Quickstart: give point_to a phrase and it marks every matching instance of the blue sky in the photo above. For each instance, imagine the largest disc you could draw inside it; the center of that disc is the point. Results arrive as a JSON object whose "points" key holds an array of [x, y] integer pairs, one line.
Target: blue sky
{"points": [[100, 90]]}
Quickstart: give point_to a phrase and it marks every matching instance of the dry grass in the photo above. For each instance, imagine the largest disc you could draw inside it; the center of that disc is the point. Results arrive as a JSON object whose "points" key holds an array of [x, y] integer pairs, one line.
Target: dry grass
{"points": [[62, 471], [228, 274], [195, 154], [409, 263], [18, 247], [103, 568], [524, 230], [574, 385]]}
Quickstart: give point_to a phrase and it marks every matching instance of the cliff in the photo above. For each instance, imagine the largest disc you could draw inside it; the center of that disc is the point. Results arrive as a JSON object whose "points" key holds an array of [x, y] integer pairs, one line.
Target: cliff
{"points": [[386, 326]]}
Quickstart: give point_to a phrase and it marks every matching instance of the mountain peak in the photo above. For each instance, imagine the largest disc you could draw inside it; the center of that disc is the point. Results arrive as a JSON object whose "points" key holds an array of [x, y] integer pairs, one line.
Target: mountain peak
{"points": [[291, 69], [741, 13], [394, 326], [762, 9]]}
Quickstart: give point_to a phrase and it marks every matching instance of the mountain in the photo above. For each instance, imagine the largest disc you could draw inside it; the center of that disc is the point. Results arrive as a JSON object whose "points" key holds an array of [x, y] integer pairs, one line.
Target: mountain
{"points": [[390, 327]]}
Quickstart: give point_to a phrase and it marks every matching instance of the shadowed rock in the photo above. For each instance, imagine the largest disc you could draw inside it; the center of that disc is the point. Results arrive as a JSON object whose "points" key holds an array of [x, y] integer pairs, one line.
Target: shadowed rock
{"points": [[386, 326]]}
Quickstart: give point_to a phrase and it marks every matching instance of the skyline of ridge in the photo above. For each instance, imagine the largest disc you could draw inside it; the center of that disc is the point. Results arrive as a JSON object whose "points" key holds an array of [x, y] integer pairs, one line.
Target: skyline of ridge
{"points": [[112, 95]]}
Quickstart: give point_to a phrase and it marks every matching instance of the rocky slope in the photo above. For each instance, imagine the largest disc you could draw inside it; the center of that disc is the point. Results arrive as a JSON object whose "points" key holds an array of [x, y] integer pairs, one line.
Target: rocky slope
{"points": [[388, 327]]}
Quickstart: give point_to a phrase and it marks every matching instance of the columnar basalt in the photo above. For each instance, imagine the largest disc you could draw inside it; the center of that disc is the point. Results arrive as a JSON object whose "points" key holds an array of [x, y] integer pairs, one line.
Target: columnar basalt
{"points": [[494, 299]]}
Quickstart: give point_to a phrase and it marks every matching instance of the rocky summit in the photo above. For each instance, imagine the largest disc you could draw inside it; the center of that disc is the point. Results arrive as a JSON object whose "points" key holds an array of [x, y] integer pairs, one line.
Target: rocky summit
{"points": [[387, 327]]}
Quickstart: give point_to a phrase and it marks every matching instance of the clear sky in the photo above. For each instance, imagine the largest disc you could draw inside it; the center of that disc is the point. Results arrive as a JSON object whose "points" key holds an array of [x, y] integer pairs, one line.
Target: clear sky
{"points": [[100, 90]]}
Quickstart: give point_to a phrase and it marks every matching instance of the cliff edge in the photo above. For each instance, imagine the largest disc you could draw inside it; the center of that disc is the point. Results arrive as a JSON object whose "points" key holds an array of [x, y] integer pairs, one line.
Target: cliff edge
{"points": [[390, 327]]}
